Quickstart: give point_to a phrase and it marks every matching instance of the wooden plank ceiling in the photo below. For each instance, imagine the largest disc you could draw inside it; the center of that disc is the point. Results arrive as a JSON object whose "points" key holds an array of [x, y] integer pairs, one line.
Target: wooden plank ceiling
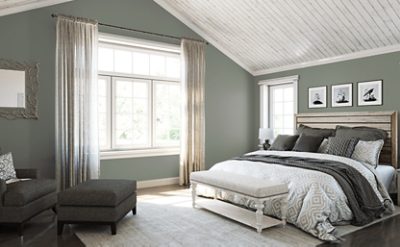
{"points": [[265, 36], [8, 7]]}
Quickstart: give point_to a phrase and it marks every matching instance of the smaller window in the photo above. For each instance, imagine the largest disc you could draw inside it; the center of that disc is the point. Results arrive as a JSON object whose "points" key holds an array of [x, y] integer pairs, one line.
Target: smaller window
{"points": [[278, 104]]}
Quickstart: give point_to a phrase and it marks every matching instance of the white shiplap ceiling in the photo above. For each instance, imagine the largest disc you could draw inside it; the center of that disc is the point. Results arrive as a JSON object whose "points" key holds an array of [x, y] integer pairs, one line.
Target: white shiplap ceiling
{"points": [[265, 36], [8, 7]]}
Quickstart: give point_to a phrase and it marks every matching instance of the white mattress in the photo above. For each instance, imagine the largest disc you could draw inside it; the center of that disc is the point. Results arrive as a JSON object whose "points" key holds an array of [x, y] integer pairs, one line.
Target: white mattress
{"points": [[386, 174]]}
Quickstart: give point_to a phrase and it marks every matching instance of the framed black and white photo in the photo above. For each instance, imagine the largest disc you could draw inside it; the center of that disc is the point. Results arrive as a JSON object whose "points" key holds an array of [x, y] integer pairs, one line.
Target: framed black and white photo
{"points": [[342, 95], [317, 97], [370, 93]]}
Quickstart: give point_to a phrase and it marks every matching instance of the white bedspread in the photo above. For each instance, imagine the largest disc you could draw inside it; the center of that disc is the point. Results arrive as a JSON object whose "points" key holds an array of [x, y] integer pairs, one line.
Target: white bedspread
{"points": [[316, 200]]}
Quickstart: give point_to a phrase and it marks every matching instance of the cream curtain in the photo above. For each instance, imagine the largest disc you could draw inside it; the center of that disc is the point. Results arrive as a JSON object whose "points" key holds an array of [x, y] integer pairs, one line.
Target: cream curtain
{"points": [[77, 152], [192, 137]]}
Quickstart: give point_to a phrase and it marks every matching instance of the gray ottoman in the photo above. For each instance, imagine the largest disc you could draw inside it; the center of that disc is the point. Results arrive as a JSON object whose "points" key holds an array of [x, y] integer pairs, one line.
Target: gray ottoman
{"points": [[100, 201]]}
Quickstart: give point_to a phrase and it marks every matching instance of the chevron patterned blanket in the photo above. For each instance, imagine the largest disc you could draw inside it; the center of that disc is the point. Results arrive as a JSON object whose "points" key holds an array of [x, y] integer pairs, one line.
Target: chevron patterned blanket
{"points": [[317, 201]]}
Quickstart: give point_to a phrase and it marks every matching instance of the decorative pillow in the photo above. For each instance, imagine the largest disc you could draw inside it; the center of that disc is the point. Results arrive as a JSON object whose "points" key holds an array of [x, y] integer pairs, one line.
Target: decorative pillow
{"points": [[7, 170], [307, 143], [284, 142], [362, 133], [341, 146], [323, 148], [368, 152], [315, 131]]}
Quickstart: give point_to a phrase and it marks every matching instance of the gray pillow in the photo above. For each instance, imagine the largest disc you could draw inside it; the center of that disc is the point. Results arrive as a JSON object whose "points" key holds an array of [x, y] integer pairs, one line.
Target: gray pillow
{"points": [[284, 142], [362, 133], [315, 131], [368, 152], [307, 143], [323, 148], [7, 170], [341, 146]]}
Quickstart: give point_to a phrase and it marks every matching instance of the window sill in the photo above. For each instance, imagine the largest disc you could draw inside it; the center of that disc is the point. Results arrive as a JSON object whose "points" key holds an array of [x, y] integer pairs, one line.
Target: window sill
{"points": [[126, 154]]}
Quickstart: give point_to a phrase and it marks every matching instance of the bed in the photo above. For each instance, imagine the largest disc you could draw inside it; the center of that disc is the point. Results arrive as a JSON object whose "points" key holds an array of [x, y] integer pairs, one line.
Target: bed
{"points": [[317, 202]]}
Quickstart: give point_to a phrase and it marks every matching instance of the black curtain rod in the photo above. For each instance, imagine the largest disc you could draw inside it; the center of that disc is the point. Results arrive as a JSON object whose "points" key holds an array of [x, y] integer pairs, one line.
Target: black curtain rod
{"points": [[144, 32]]}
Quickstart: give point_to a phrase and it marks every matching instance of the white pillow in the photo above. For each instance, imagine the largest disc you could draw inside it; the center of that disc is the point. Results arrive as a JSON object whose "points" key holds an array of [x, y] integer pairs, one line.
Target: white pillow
{"points": [[7, 170], [368, 152]]}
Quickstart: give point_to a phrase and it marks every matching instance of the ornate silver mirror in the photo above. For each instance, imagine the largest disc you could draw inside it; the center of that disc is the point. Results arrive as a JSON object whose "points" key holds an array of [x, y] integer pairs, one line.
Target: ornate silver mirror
{"points": [[19, 85]]}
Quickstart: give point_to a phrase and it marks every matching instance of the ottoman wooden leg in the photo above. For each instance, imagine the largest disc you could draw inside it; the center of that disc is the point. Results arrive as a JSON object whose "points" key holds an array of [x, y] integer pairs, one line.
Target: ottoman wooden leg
{"points": [[113, 228], [134, 211], [60, 227], [21, 229]]}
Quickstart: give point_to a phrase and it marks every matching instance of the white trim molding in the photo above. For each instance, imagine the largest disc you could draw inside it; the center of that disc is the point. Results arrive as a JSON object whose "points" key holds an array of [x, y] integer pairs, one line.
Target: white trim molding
{"points": [[127, 154], [157, 182], [136, 42], [281, 80], [346, 57], [22, 6]]}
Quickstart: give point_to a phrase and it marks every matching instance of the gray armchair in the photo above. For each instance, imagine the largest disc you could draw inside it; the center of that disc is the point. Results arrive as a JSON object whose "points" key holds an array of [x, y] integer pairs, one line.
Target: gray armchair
{"points": [[20, 201]]}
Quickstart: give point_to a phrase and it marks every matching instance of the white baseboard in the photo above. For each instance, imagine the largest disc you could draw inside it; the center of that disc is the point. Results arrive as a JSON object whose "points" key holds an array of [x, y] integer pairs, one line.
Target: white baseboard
{"points": [[157, 182]]}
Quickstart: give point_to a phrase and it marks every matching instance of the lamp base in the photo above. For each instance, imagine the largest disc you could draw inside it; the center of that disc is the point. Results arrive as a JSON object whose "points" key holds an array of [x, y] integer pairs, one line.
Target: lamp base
{"points": [[266, 145]]}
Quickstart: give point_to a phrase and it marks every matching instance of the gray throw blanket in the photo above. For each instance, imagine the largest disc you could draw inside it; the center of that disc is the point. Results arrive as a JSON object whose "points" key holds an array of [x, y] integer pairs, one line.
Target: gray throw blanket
{"points": [[362, 199]]}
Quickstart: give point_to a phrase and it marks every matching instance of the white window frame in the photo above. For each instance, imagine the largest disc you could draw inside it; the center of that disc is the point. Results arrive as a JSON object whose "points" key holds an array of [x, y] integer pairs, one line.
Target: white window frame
{"points": [[114, 41], [265, 100]]}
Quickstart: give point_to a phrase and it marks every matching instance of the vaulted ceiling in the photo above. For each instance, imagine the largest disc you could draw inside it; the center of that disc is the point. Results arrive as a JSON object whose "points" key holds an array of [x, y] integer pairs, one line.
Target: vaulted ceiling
{"points": [[8, 7], [265, 36]]}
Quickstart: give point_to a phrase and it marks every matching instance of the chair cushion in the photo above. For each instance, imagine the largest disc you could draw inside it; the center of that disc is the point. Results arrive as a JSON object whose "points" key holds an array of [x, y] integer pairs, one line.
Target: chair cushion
{"points": [[100, 192], [24, 192]]}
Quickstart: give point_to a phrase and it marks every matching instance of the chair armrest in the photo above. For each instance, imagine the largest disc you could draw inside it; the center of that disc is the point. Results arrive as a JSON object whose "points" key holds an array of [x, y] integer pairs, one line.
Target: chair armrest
{"points": [[27, 173], [3, 188]]}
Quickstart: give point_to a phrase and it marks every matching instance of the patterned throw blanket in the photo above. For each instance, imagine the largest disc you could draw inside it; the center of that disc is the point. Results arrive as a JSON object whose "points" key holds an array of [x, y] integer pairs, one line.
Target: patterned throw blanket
{"points": [[363, 201]]}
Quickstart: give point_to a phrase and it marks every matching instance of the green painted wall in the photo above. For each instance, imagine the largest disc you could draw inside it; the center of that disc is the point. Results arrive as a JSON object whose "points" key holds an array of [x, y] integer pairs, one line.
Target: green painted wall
{"points": [[30, 36], [385, 67]]}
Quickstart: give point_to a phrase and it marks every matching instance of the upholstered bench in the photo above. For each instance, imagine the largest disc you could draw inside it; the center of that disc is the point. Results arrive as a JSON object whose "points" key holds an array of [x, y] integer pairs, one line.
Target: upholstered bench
{"points": [[96, 202], [256, 189]]}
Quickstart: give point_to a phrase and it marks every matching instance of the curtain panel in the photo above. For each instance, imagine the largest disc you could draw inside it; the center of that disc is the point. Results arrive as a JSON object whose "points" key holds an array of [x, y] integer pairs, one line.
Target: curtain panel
{"points": [[193, 123], [77, 151]]}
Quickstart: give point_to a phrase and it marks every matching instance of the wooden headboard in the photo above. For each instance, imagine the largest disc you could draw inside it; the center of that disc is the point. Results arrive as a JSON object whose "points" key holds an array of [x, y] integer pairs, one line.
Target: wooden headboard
{"points": [[385, 120]]}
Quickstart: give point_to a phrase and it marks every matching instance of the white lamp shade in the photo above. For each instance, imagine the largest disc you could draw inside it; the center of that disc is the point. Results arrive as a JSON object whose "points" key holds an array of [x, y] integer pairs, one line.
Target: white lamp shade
{"points": [[265, 134]]}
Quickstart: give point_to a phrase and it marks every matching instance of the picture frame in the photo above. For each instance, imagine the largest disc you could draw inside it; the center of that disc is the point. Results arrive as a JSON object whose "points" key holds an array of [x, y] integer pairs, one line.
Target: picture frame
{"points": [[342, 95], [317, 97], [370, 93]]}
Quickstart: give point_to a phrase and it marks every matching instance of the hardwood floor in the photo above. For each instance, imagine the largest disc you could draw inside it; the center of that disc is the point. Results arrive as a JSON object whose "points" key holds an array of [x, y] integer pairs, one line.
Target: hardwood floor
{"points": [[41, 231]]}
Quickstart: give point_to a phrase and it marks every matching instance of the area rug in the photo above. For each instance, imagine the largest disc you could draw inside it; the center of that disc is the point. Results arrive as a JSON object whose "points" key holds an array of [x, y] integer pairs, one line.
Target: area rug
{"points": [[168, 219]]}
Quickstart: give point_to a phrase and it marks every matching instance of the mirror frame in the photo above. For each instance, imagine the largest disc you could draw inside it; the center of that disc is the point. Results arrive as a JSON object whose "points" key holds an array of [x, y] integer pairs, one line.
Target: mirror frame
{"points": [[31, 90]]}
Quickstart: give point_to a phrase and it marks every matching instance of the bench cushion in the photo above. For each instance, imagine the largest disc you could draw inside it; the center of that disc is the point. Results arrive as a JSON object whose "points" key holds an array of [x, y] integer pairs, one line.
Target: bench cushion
{"points": [[251, 186], [101, 192], [23, 192]]}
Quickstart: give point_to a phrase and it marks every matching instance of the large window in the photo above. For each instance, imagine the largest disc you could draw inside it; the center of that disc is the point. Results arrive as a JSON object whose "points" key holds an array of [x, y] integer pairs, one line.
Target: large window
{"points": [[139, 96], [279, 104]]}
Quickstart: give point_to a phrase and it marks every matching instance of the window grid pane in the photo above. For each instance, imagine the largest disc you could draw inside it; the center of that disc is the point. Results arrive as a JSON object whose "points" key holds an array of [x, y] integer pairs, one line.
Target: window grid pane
{"points": [[131, 113], [167, 113], [281, 109]]}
